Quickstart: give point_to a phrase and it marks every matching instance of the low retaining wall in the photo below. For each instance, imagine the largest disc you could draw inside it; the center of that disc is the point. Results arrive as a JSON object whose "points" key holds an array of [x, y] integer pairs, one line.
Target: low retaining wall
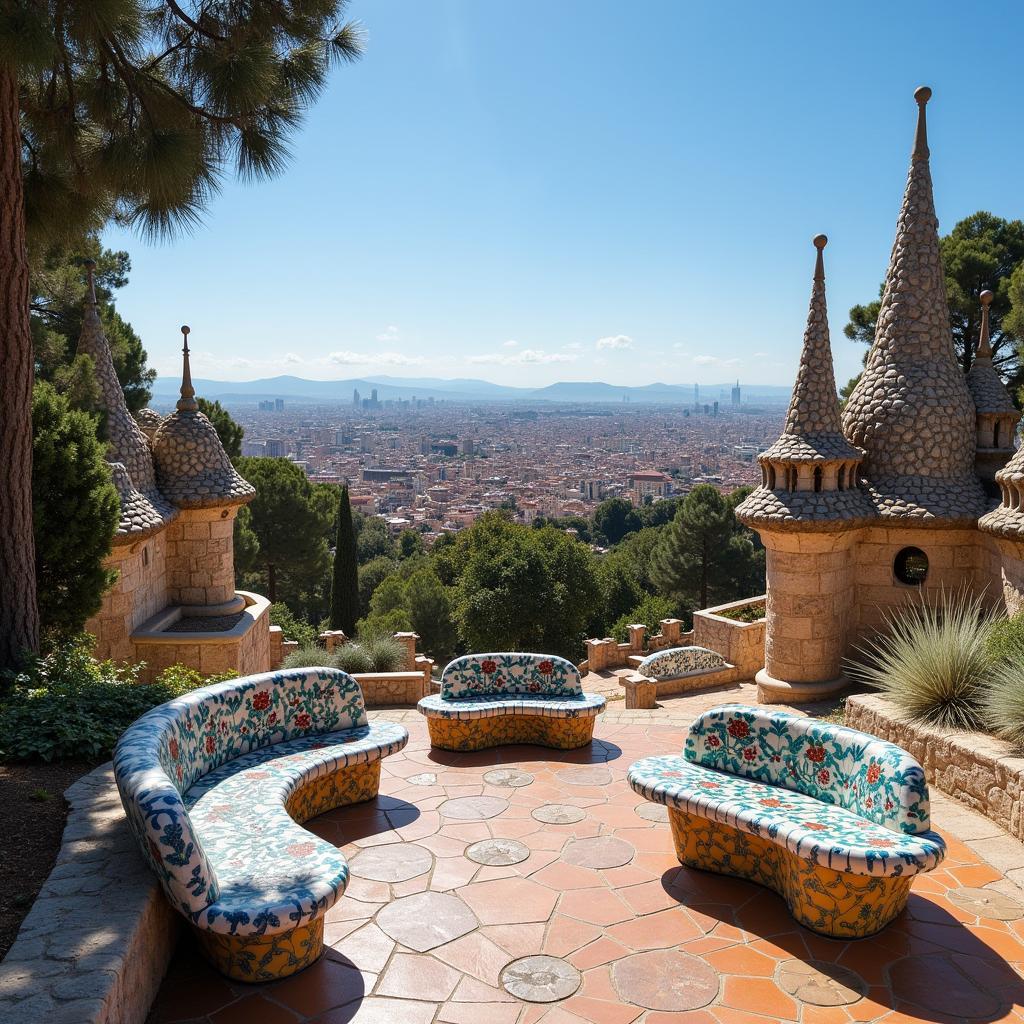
{"points": [[739, 643], [980, 772], [385, 689], [96, 943]]}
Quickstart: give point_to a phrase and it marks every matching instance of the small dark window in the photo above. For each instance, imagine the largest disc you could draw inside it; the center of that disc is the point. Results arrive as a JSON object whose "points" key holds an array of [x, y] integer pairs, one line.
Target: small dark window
{"points": [[842, 477], [911, 567], [145, 556], [995, 435], [817, 478]]}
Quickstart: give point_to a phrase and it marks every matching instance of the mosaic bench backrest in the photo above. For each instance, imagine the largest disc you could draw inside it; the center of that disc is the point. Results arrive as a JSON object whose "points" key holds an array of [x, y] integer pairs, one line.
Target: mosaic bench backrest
{"points": [[679, 661], [840, 766], [165, 751], [509, 674]]}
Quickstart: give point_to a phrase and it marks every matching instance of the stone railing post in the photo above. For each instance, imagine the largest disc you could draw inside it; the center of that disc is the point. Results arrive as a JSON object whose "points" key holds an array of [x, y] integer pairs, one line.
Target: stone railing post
{"points": [[637, 632], [641, 692], [276, 640], [597, 654], [332, 639], [426, 666], [670, 629], [408, 640]]}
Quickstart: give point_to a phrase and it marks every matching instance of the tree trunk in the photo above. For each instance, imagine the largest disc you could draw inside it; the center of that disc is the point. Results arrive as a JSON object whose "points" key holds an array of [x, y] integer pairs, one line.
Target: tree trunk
{"points": [[19, 614], [272, 582]]}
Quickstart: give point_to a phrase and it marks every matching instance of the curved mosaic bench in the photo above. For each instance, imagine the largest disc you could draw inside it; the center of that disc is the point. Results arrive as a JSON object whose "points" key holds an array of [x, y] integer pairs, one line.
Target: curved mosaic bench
{"points": [[834, 820], [490, 699], [674, 662], [214, 785]]}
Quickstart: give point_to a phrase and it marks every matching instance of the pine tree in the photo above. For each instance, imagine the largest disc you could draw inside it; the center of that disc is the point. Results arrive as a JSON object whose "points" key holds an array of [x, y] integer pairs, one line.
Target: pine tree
{"points": [[345, 583], [135, 109]]}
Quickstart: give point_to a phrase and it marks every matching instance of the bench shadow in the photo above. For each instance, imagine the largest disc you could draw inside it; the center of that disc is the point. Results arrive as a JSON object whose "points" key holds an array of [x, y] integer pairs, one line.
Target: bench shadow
{"points": [[598, 752], [360, 821], [925, 964]]}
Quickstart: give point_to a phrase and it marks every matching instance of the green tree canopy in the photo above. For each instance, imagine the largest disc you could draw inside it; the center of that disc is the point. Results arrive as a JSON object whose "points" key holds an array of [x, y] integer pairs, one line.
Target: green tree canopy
{"points": [[706, 556], [345, 577], [76, 511], [229, 432], [290, 525], [614, 518], [981, 252]]}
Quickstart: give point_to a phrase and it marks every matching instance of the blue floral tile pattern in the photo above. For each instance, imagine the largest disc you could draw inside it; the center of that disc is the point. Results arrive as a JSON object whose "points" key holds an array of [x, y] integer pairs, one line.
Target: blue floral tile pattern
{"points": [[679, 661], [823, 833], [835, 765], [585, 705], [509, 674], [160, 760]]}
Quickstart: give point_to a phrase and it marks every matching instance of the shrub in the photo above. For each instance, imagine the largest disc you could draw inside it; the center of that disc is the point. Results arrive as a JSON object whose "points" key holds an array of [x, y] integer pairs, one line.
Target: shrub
{"points": [[1006, 639], [386, 653], [67, 706], [1002, 700], [933, 663], [352, 658], [308, 656], [292, 626], [182, 678], [650, 611]]}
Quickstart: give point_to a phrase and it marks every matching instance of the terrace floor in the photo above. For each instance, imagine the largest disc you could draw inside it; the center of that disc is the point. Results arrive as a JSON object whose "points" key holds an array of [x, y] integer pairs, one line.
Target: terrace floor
{"points": [[431, 920]]}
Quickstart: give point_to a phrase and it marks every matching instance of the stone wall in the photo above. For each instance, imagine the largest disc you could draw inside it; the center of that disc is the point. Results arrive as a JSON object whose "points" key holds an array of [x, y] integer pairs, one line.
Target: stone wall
{"points": [[200, 557], [740, 643], [386, 689], [981, 772], [97, 941], [606, 654], [139, 593]]}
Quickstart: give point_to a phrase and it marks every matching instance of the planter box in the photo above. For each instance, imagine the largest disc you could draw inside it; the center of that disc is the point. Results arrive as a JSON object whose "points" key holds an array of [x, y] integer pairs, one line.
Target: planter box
{"points": [[740, 643], [982, 773]]}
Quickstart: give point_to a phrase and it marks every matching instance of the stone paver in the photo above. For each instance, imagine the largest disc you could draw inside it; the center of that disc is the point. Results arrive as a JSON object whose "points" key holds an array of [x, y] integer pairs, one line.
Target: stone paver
{"points": [[652, 942]]}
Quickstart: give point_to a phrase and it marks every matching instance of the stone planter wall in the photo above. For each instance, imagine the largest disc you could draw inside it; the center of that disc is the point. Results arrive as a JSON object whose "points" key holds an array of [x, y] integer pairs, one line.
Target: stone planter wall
{"points": [[980, 772], [740, 643], [97, 941], [385, 689]]}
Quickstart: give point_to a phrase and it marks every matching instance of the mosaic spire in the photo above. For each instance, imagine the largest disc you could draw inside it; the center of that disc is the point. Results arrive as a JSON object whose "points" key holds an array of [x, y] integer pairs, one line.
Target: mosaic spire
{"points": [[187, 402], [911, 411]]}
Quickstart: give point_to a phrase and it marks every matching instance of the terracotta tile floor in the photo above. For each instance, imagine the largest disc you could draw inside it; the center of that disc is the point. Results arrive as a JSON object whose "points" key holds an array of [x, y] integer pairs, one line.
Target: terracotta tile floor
{"points": [[644, 929]]}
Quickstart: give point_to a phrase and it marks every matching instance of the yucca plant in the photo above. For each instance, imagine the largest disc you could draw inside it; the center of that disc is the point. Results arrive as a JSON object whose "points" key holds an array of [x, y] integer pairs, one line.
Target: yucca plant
{"points": [[933, 662], [386, 653], [1002, 701], [352, 658]]}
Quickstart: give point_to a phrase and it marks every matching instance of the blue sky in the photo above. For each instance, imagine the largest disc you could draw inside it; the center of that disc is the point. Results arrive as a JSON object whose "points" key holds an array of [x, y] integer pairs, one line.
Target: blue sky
{"points": [[578, 190]]}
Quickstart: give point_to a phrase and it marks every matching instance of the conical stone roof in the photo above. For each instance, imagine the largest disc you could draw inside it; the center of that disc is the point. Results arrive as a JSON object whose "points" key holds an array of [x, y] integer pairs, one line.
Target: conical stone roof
{"points": [[911, 411], [983, 380], [812, 435], [192, 467]]}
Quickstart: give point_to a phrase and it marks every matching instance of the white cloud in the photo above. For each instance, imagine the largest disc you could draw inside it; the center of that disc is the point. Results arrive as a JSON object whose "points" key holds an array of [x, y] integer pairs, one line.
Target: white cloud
{"points": [[347, 358], [615, 341], [527, 355], [761, 355], [574, 346], [705, 360], [291, 357], [511, 343], [390, 333]]}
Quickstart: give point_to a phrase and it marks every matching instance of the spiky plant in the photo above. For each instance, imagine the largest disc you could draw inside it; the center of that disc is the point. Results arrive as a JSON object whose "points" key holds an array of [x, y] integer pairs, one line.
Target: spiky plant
{"points": [[352, 658], [386, 653], [1002, 700], [309, 656], [134, 109], [933, 661]]}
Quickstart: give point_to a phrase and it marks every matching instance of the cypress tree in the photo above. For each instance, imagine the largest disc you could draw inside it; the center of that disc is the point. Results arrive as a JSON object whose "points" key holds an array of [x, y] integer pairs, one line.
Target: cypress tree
{"points": [[345, 584]]}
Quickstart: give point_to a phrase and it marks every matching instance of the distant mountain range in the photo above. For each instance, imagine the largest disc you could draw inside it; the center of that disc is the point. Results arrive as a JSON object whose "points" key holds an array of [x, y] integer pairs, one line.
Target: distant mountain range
{"points": [[460, 390]]}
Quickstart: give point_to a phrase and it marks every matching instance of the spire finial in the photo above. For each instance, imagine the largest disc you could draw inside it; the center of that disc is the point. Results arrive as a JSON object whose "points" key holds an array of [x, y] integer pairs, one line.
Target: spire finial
{"points": [[820, 241], [187, 402], [90, 294], [984, 347], [922, 94]]}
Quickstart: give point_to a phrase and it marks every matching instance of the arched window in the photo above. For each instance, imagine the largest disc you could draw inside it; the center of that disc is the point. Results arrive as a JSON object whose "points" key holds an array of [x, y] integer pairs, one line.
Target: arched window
{"points": [[995, 434], [771, 477], [791, 473], [841, 481], [817, 478]]}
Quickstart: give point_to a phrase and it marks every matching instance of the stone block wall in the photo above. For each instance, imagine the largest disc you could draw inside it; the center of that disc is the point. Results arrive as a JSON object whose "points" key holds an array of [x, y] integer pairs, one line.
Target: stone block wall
{"points": [[139, 593], [739, 643], [200, 557]]}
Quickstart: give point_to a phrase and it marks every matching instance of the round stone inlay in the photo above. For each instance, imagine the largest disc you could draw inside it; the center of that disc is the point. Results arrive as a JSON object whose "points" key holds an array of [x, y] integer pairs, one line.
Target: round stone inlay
{"points": [[395, 862], [990, 903], [558, 814], [819, 983], [601, 852], [652, 812], [510, 777], [473, 808], [498, 852], [541, 979], [665, 980], [423, 779], [426, 920], [592, 775]]}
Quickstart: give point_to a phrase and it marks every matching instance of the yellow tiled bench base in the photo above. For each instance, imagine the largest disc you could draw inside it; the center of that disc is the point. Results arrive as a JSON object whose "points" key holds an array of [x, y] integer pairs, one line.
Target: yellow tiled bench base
{"points": [[351, 785], [480, 733], [256, 958], [833, 903]]}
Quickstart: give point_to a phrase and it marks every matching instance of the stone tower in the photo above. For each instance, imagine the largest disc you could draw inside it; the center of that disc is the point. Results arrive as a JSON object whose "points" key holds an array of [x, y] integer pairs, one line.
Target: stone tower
{"points": [[997, 416], [808, 511], [195, 474]]}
